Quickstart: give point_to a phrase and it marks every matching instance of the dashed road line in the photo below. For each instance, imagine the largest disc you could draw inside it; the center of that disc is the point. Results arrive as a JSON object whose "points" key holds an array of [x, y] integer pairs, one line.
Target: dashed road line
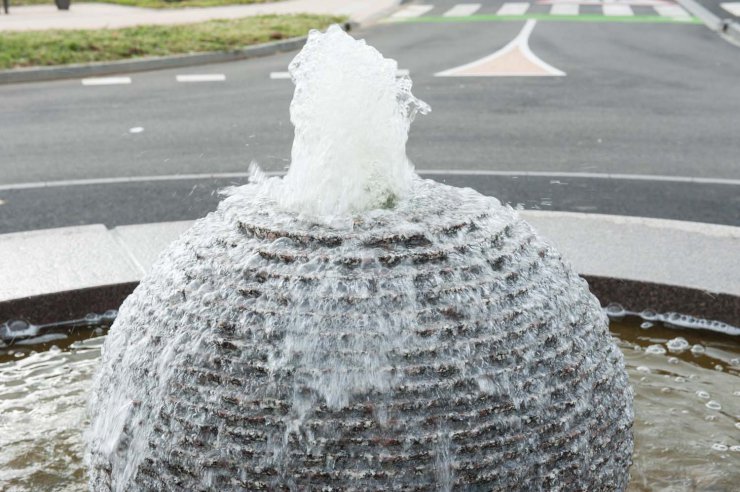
{"points": [[564, 9], [412, 11], [673, 11], [513, 8], [462, 10], [106, 81], [204, 77], [616, 9], [280, 75]]}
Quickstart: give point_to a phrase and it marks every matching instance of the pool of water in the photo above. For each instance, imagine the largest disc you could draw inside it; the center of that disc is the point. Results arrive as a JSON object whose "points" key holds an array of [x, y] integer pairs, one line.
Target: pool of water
{"points": [[687, 408]]}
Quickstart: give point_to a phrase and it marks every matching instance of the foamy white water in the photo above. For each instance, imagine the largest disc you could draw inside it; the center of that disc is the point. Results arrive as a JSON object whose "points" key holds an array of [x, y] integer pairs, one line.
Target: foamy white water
{"points": [[351, 115]]}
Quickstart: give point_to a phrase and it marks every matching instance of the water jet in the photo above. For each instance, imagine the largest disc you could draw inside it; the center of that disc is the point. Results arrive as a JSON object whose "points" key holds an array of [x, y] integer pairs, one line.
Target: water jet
{"points": [[354, 327]]}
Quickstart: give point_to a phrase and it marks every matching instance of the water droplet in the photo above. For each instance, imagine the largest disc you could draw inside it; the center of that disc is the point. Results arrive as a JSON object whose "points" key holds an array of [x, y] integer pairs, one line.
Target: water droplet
{"points": [[655, 349], [713, 405], [615, 310], [645, 325], [735, 448], [644, 369], [698, 349], [672, 360], [702, 394], [677, 345], [665, 390], [719, 447], [680, 379]]}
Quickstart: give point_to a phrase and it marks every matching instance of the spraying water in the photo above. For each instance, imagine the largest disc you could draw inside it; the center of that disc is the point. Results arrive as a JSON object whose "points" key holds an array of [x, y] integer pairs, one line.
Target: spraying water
{"points": [[433, 341], [351, 116]]}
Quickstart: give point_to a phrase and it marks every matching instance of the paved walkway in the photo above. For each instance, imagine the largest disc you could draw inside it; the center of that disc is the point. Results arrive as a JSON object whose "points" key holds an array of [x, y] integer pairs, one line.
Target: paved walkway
{"points": [[109, 16]]}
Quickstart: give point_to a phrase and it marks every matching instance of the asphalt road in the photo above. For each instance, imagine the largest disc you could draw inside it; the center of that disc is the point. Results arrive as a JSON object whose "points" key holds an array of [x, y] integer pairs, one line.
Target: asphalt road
{"points": [[649, 99]]}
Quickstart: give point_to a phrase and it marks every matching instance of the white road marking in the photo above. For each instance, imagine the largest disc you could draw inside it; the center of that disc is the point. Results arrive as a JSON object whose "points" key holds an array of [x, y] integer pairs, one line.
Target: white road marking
{"points": [[412, 11], [515, 54], [427, 172], [286, 75], [279, 75], [513, 8], [205, 77], [616, 9], [564, 9], [462, 10], [731, 7], [136, 129], [106, 81], [634, 3], [673, 11]]}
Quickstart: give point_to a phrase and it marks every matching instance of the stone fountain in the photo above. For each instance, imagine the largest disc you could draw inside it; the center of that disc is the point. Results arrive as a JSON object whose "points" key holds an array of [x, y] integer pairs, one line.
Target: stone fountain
{"points": [[354, 327]]}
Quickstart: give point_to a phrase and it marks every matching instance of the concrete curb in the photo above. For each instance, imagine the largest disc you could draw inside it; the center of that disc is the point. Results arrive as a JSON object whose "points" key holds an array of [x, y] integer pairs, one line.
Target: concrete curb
{"points": [[727, 28], [39, 74]]}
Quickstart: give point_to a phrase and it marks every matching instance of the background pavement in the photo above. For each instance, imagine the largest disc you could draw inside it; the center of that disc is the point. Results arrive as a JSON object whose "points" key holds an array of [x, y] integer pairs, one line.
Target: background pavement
{"points": [[656, 99], [644, 123]]}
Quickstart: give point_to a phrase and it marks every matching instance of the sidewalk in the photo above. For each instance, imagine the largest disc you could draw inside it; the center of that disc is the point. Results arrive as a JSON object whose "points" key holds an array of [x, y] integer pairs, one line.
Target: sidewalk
{"points": [[109, 16]]}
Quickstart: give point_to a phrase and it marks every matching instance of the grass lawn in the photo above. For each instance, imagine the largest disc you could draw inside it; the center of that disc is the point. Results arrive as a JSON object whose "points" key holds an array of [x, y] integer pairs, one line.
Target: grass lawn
{"points": [[36, 48], [152, 4]]}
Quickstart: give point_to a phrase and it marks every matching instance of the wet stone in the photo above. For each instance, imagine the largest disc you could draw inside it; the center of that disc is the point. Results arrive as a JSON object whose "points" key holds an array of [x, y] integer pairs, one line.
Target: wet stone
{"points": [[457, 358]]}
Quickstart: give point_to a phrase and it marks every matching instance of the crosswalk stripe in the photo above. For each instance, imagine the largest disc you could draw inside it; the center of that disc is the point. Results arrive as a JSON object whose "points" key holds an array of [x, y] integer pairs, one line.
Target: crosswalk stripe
{"points": [[564, 9], [462, 10], [412, 11], [615, 9], [106, 81], [513, 8], [673, 11], [731, 7]]}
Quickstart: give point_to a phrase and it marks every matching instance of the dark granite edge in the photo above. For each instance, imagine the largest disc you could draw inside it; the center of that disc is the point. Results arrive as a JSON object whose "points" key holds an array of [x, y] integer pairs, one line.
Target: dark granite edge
{"points": [[633, 295], [636, 295]]}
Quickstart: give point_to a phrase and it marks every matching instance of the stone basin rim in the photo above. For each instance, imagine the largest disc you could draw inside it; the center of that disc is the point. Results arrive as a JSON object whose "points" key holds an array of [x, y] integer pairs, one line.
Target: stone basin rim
{"points": [[634, 295]]}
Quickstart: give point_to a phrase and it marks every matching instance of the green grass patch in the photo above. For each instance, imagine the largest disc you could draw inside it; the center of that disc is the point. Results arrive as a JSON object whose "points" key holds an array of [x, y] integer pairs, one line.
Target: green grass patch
{"points": [[39, 48], [152, 4]]}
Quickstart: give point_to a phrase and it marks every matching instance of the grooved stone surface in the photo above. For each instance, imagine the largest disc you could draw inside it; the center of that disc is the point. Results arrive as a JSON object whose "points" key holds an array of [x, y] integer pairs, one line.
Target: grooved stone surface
{"points": [[437, 345]]}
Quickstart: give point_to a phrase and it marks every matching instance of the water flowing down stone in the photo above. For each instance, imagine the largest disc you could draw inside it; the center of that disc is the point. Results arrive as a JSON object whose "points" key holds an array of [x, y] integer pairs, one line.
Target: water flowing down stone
{"points": [[354, 327]]}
